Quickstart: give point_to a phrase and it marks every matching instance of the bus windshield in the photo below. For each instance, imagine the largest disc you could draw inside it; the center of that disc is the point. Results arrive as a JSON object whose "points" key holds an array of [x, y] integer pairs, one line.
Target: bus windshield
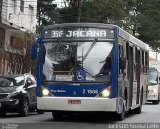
{"points": [[61, 60], [153, 77]]}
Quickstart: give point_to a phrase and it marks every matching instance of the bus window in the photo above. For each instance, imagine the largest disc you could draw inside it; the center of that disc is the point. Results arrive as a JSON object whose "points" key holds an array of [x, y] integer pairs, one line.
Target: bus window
{"points": [[106, 69], [121, 54], [153, 77]]}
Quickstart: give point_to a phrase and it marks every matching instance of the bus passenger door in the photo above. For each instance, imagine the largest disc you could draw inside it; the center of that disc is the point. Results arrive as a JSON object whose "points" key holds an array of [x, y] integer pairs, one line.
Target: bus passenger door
{"points": [[138, 72], [121, 75], [130, 74]]}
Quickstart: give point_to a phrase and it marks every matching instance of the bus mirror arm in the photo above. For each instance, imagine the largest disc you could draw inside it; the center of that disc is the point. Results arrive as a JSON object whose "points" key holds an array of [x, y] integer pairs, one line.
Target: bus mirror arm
{"points": [[34, 51], [122, 63]]}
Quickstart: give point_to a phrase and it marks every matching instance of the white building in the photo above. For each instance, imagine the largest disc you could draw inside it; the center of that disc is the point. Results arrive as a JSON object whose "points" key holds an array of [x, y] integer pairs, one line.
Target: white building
{"points": [[19, 13], [154, 59], [16, 17]]}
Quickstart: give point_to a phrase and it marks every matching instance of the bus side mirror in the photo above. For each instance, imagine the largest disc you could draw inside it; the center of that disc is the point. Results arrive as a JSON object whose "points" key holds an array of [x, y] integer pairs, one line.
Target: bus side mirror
{"points": [[34, 51], [122, 63]]}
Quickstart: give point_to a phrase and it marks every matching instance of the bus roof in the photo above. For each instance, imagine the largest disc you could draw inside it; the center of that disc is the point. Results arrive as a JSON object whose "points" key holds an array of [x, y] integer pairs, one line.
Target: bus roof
{"points": [[66, 25], [122, 33], [128, 37]]}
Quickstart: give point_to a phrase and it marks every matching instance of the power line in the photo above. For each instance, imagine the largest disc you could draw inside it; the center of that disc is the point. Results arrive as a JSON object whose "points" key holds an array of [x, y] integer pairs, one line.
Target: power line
{"points": [[12, 5]]}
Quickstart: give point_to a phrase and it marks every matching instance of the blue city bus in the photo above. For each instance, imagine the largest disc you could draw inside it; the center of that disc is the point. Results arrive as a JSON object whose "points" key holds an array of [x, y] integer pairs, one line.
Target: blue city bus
{"points": [[90, 67]]}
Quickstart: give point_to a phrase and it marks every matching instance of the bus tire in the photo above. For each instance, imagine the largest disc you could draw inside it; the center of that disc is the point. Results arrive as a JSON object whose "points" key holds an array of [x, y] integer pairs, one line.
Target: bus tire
{"points": [[2, 113], [138, 110], [57, 116], [120, 116], [40, 111], [155, 101]]}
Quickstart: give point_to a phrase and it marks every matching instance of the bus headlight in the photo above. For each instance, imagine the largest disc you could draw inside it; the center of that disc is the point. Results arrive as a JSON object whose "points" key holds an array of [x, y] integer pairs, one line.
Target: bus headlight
{"points": [[155, 91], [106, 92], [46, 92]]}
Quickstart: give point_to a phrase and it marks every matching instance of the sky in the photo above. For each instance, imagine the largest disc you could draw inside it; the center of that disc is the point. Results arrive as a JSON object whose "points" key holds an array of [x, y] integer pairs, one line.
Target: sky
{"points": [[60, 3]]}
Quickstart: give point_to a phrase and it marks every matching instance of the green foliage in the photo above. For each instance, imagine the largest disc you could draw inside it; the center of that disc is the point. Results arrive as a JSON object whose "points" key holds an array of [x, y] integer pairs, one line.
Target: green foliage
{"points": [[149, 23], [106, 11], [46, 12]]}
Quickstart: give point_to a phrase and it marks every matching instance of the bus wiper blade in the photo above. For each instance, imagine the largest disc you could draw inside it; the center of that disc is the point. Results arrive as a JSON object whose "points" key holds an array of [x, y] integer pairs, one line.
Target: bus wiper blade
{"points": [[87, 53], [89, 50]]}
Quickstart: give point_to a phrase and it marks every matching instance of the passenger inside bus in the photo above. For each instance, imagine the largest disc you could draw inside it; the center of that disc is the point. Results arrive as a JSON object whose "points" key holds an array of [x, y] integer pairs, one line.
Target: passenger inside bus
{"points": [[106, 69]]}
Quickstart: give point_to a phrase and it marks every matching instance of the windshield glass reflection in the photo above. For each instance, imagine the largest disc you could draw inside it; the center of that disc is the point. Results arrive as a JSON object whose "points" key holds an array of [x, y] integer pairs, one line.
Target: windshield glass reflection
{"points": [[67, 61], [153, 77], [11, 81]]}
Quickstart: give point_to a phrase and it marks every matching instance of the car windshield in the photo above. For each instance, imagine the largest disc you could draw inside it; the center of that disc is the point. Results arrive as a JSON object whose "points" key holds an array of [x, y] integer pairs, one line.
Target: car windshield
{"points": [[153, 77], [77, 61], [8, 81]]}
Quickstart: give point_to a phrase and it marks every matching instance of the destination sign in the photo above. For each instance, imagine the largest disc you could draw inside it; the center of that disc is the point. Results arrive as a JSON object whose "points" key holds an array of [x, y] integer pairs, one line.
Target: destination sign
{"points": [[79, 33]]}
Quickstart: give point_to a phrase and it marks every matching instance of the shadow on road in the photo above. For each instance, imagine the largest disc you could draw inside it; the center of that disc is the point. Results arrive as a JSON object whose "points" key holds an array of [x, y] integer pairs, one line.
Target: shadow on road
{"points": [[16, 115], [90, 118]]}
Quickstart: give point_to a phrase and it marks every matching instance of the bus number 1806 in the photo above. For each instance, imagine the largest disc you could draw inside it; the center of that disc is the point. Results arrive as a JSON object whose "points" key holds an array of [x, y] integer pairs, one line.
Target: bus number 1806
{"points": [[90, 91]]}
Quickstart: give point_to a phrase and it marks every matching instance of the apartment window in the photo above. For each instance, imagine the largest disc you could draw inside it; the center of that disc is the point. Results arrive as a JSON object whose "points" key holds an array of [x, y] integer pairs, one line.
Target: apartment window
{"points": [[22, 6], [14, 6], [31, 12]]}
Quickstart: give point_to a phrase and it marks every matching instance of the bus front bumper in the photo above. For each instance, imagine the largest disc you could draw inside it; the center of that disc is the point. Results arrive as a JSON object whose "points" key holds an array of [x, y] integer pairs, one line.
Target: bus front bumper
{"points": [[76, 104], [152, 96]]}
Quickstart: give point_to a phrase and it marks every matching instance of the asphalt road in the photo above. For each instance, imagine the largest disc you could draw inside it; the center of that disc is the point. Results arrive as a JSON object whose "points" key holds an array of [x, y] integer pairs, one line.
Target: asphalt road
{"points": [[149, 118]]}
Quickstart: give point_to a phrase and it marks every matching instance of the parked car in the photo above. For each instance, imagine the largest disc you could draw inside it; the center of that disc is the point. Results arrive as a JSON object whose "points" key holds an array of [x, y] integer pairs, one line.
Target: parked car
{"points": [[17, 94]]}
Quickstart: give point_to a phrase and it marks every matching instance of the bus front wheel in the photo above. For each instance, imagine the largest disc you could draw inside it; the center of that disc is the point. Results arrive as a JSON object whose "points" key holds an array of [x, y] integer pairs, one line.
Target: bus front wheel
{"points": [[120, 116], [155, 101]]}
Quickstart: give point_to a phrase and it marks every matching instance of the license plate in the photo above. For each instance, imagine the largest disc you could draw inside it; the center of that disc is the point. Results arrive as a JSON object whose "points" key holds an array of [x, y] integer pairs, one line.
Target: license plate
{"points": [[74, 101]]}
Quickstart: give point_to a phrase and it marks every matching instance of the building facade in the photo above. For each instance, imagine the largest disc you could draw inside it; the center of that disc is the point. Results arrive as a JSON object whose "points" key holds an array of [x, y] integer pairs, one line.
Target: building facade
{"points": [[16, 18]]}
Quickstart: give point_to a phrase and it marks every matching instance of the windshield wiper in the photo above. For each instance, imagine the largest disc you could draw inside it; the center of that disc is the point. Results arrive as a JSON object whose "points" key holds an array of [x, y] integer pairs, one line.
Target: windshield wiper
{"points": [[89, 50], [80, 63]]}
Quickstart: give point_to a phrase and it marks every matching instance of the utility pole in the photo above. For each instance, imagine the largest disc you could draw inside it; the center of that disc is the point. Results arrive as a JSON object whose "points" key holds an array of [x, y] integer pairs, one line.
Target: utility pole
{"points": [[79, 4]]}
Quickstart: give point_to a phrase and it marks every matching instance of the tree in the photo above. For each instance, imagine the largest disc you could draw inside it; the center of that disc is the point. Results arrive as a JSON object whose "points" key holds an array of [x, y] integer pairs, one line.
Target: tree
{"points": [[149, 26], [72, 12], [106, 11], [46, 13], [18, 54], [130, 22]]}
